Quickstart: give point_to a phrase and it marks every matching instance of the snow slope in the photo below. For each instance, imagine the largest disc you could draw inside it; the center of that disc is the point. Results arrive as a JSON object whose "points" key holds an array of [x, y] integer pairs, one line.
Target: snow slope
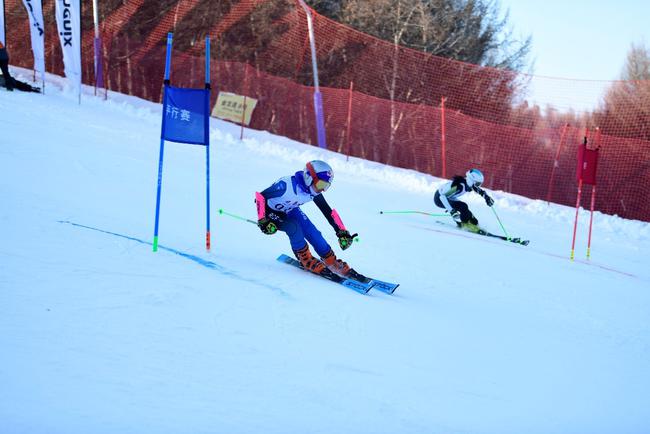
{"points": [[98, 334]]}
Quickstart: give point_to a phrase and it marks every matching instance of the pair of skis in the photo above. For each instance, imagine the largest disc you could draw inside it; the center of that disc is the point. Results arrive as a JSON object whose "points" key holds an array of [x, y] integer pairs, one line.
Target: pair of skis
{"points": [[361, 285], [477, 230]]}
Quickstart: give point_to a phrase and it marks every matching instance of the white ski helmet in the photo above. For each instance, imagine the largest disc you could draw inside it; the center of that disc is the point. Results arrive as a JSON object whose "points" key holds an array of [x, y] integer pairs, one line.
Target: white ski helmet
{"points": [[474, 178], [318, 175]]}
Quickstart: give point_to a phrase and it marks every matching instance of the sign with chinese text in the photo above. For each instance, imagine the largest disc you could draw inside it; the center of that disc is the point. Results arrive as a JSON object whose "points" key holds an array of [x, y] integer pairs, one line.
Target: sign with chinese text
{"points": [[230, 107], [184, 115]]}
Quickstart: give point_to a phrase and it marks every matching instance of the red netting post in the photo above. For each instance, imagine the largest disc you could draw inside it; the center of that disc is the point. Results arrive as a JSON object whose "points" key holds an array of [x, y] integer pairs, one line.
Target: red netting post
{"points": [[549, 189], [443, 140], [104, 55], [347, 133]]}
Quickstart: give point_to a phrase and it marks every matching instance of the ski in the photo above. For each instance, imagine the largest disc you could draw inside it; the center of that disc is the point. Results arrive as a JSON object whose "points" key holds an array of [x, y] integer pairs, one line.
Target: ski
{"points": [[357, 285], [386, 287], [477, 230], [512, 240]]}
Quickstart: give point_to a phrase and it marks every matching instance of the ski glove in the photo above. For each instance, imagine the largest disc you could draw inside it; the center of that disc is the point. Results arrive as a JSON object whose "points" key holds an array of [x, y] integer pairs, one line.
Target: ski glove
{"points": [[455, 214], [345, 239], [488, 200], [267, 226]]}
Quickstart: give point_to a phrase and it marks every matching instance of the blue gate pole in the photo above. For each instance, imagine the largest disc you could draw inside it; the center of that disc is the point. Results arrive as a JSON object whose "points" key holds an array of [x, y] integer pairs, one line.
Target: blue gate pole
{"points": [[206, 135], [168, 60]]}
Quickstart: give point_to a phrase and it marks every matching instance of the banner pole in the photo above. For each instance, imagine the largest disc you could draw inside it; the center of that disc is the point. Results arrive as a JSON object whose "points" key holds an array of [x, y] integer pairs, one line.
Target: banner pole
{"points": [[81, 35], [162, 141], [206, 135], [318, 98], [99, 76], [3, 39]]}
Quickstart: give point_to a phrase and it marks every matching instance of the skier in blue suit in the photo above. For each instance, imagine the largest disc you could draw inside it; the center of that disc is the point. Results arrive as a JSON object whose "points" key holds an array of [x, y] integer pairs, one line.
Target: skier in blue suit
{"points": [[278, 208]]}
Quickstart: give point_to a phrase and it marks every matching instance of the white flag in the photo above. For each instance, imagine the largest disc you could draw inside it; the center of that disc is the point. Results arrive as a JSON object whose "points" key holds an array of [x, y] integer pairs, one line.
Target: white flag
{"points": [[35, 12], [68, 23], [2, 23]]}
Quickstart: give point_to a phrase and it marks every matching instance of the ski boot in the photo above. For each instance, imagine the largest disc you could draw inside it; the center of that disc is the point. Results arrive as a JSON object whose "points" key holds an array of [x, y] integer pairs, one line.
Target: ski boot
{"points": [[342, 268], [471, 227], [309, 263]]}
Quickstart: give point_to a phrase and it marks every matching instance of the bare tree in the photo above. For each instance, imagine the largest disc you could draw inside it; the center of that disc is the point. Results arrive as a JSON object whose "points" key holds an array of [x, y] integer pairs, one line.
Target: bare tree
{"points": [[391, 20], [637, 63], [466, 30], [470, 31]]}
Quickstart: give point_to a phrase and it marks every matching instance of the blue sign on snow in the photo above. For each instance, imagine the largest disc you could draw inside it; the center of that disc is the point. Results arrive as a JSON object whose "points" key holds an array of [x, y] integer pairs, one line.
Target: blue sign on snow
{"points": [[185, 115]]}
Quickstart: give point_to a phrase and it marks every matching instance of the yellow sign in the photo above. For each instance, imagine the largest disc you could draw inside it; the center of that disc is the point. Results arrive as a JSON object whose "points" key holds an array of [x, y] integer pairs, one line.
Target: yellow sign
{"points": [[231, 106]]}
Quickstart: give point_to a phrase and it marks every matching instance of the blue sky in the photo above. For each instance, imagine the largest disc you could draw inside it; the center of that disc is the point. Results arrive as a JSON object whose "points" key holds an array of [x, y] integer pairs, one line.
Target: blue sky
{"points": [[580, 39]]}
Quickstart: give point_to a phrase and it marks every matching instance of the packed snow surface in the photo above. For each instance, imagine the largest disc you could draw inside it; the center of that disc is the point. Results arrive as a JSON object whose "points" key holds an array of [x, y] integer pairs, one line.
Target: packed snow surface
{"points": [[98, 334]]}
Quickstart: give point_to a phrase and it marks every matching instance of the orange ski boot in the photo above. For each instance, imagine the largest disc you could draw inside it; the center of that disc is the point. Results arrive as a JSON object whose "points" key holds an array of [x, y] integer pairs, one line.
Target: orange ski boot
{"points": [[336, 265], [342, 268], [308, 262]]}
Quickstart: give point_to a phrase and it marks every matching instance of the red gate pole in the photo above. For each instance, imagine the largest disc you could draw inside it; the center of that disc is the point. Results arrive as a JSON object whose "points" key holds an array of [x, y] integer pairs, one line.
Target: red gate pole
{"points": [[549, 189], [575, 224], [442, 138], [347, 133], [593, 197], [581, 160], [591, 220]]}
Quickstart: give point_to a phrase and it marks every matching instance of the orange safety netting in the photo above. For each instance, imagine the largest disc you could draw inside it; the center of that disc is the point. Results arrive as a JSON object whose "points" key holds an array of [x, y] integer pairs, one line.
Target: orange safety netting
{"points": [[381, 102]]}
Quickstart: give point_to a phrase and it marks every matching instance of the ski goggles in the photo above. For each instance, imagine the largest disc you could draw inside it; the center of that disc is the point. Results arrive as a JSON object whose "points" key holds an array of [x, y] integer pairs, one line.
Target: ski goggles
{"points": [[319, 185]]}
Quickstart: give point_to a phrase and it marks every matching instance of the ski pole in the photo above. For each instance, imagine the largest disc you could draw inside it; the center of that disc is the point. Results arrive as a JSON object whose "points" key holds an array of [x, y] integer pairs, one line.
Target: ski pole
{"points": [[221, 211], [414, 212], [272, 227], [238, 217], [499, 220]]}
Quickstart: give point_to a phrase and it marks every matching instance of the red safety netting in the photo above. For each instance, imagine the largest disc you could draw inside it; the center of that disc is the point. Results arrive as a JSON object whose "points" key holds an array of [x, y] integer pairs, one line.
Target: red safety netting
{"points": [[261, 49]]}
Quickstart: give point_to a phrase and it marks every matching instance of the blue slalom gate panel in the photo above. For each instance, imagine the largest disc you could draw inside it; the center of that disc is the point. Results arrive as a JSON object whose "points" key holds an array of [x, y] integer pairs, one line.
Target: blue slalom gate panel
{"points": [[185, 115]]}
